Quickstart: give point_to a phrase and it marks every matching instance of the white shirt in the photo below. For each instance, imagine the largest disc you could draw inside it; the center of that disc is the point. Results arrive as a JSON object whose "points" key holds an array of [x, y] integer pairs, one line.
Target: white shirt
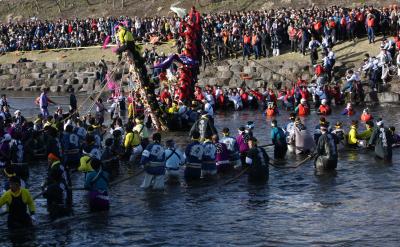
{"points": [[208, 108]]}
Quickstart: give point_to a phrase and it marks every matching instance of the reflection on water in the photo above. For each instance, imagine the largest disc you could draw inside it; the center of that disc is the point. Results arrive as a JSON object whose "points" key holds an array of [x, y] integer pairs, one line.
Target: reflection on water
{"points": [[356, 205]]}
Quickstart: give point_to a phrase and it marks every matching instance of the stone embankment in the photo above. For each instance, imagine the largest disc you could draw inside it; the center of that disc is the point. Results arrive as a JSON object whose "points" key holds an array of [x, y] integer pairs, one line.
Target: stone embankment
{"points": [[33, 76]]}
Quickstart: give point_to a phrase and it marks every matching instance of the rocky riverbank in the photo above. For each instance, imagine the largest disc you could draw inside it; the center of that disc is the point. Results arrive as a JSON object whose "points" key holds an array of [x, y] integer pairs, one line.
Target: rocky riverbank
{"points": [[33, 76]]}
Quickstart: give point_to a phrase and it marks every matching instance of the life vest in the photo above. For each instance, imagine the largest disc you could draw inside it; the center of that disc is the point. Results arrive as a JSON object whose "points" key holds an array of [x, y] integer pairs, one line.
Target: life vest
{"points": [[270, 112], [350, 112], [303, 110], [247, 40], [366, 117], [325, 109]]}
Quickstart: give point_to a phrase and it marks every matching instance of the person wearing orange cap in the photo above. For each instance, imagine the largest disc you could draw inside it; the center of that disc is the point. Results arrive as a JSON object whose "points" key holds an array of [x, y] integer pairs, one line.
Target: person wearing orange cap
{"points": [[56, 167]]}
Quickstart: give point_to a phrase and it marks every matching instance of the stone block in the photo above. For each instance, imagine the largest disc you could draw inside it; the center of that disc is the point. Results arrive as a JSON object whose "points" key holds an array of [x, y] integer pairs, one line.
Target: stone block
{"points": [[235, 82], [27, 82], [55, 89], [236, 68], [64, 66], [388, 97], [223, 82], [8, 66], [249, 69], [13, 71], [266, 76], [225, 74], [49, 65], [7, 77], [223, 68], [212, 81]]}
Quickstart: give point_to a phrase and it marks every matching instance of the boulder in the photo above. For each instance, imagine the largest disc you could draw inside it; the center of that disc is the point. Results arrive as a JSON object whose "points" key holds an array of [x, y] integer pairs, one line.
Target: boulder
{"points": [[236, 68], [223, 82], [266, 76], [55, 89], [249, 69], [225, 74], [14, 71], [235, 82], [223, 68], [49, 65], [27, 83]]}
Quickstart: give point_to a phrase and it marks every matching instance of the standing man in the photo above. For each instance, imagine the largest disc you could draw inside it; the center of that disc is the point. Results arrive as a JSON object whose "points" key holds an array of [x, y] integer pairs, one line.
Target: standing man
{"points": [[371, 26], [258, 161], [44, 101], [383, 140], [246, 45], [18, 201], [279, 140], [153, 160], [125, 38], [327, 155]]}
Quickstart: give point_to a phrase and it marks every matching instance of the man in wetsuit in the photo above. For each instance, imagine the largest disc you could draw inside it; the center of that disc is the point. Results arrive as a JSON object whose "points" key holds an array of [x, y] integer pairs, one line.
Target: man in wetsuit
{"points": [[257, 160]]}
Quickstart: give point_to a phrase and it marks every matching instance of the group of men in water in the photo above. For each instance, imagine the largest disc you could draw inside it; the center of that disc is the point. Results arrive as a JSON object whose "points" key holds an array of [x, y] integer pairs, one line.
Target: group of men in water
{"points": [[70, 143]]}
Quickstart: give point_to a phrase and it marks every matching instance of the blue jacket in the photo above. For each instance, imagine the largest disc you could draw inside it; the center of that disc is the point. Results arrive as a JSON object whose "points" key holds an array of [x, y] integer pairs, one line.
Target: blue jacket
{"points": [[97, 181], [209, 154], [153, 159], [278, 136], [194, 154]]}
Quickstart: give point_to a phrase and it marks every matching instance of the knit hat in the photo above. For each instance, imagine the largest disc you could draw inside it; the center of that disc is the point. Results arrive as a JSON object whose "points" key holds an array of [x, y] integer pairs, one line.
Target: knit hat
{"points": [[53, 157]]}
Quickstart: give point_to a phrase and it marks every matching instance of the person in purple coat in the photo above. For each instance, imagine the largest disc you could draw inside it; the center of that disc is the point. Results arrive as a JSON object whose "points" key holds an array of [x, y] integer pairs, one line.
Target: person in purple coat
{"points": [[222, 156], [241, 140]]}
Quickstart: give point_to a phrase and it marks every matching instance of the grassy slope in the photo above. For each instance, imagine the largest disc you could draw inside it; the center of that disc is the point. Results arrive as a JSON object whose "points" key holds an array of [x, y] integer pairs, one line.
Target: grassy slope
{"points": [[48, 9], [349, 54]]}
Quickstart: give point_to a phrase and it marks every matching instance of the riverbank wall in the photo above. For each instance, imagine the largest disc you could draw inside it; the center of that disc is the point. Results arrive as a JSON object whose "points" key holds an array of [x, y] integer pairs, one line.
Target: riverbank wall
{"points": [[233, 73]]}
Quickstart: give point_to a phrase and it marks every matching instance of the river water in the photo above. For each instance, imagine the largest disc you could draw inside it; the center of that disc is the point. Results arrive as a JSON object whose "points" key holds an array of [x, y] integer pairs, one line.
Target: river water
{"points": [[358, 205]]}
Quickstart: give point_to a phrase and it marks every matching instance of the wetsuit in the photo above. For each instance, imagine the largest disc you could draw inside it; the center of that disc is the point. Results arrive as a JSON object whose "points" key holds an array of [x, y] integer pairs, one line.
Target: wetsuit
{"points": [[257, 160], [327, 152]]}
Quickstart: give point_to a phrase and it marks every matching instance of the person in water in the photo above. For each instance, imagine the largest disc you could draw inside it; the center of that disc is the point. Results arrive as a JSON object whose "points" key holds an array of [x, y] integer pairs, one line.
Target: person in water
{"points": [[366, 115], [153, 161], [352, 139], [173, 161], [302, 109], [204, 126], [96, 182], [18, 201], [279, 140], [326, 150], [258, 162], [324, 108], [208, 166], [349, 111], [382, 139], [59, 202], [222, 156], [233, 148], [194, 158], [366, 134]]}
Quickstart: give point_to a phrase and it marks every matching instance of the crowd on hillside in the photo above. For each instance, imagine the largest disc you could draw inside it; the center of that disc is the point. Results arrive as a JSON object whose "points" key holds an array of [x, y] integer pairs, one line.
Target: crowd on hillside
{"points": [[224, 34]]}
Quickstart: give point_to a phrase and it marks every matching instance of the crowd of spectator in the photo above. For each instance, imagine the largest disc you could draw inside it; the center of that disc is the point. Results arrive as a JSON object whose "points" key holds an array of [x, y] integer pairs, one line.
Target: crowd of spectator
{"points": [[225, 34]]}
